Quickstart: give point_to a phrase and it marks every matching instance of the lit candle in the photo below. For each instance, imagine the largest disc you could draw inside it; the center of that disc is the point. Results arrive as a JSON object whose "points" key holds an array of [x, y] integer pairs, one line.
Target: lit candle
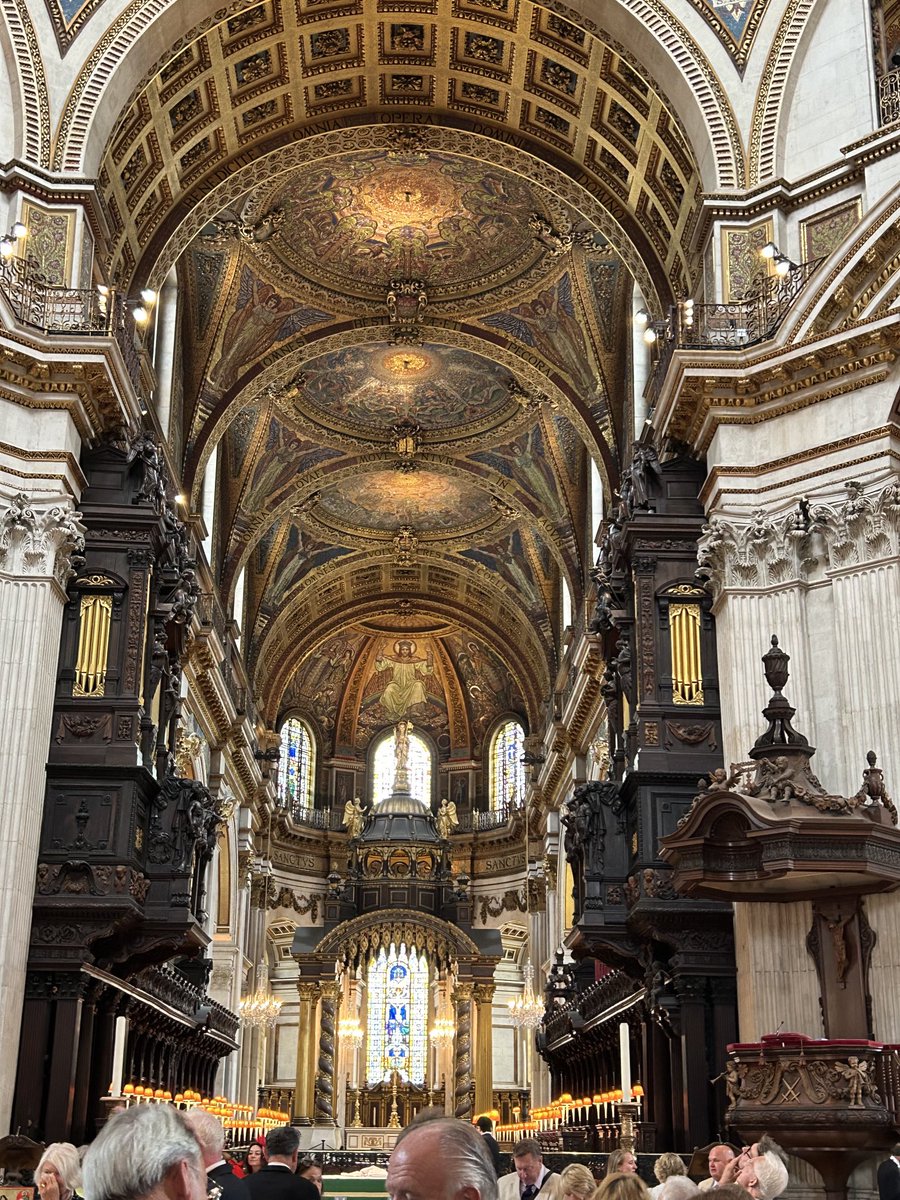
{"points": [[115, 1088], [625, 1061]]}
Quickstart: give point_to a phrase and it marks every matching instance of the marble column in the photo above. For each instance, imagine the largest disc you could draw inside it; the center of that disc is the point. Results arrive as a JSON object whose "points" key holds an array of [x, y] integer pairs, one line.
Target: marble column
{"points": [[484, 1047], [303, 1086], [37, 546]]}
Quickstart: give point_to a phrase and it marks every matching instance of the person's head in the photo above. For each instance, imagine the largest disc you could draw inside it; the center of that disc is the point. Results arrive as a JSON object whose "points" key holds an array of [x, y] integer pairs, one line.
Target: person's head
{"points": [[283, 1145], [311, 1170], [485, 1124], [719, 1157], [61, 1162], [255, 1160], [621, 1162], [732, 1191], [621, 1186], [148, 1152], [667, 1165], [575, 1183], [209, 1133], [764, 1176], [679, 1187], [443, 1159], [528, 1160]]}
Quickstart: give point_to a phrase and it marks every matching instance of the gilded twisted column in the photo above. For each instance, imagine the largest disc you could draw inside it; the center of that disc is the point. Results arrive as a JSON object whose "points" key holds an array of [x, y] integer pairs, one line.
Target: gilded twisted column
{"points": [[462, 1067], [324, 1098], [484, 1047], [304, 1086]]}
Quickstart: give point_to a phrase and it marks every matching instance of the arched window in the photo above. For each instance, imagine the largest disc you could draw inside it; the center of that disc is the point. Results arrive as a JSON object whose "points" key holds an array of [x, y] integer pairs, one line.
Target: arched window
{"points": [[384, 768], [297, 765], [507, 768], [397, 1017]]}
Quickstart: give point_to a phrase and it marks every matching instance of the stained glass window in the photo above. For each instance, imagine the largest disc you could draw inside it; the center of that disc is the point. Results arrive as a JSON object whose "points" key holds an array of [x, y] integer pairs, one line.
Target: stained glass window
{"points": [[384, 766], [397, 1016], [296, 766], [507, 768]]}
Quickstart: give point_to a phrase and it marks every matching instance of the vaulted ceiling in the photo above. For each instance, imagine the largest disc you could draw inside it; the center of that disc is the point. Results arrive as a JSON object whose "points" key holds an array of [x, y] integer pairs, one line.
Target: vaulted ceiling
{"points": [[407, 238]]}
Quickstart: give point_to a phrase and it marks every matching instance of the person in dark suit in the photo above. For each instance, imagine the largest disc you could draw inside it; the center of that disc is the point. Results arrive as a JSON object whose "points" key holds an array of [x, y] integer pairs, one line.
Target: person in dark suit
{"points": [[277, 1181], [211, 1136], [889, 1176], [486, 1125]]}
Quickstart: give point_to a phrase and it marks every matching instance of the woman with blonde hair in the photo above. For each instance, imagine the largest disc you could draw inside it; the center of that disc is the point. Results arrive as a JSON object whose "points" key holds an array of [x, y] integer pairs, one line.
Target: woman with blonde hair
{"points": [[574, 1182], [622, 1186], [667, 1166], [621, 1161], [58, 1173]]}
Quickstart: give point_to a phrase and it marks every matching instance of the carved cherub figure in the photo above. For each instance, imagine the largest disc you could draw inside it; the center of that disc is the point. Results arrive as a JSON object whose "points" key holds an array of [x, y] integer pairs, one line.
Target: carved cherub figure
{"points": [[856, 1074], [732, 1082]]}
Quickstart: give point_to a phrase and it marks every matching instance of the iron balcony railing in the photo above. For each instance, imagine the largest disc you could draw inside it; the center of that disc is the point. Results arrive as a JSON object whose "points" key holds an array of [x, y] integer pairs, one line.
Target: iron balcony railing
{"points": [[73, 312], [889, 96], [735, 325]]}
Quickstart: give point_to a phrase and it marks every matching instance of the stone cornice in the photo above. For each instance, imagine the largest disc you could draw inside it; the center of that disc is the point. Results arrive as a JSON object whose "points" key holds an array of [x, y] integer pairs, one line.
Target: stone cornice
{"points": [[703, 390]]}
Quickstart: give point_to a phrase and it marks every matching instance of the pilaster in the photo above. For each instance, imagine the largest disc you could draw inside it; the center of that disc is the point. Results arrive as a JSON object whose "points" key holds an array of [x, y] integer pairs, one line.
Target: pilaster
{"points": [[38, 543]]}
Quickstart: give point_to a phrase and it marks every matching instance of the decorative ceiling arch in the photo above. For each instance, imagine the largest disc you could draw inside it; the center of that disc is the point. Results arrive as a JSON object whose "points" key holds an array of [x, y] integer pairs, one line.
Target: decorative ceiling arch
{"points": [[235, 92], [429, 590]]}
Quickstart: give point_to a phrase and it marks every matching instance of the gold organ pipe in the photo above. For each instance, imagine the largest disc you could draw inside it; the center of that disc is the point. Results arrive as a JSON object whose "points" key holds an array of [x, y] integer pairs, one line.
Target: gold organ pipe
{"points": [[687, 674], [93, 646]]}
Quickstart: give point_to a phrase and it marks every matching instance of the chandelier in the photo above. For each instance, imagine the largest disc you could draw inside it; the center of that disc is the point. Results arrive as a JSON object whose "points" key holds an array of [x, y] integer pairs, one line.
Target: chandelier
{"points": [[260, 1011], [443, 1031], [526, 1010]]}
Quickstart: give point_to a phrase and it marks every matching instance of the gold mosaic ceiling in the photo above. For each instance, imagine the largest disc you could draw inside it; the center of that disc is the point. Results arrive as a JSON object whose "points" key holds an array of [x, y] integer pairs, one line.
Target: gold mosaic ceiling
{"points": [[422, 217]]}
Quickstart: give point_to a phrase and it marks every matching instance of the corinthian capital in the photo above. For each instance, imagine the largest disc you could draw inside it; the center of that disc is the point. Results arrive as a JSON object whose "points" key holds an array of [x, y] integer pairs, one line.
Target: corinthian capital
{"points": [[39, 540], [767, 549]]}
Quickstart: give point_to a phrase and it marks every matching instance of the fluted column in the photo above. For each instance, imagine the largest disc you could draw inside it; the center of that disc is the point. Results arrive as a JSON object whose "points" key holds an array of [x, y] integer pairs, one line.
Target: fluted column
{"points": [[484, 1047], [37, 544], [462, 1064], [303, 1086], [325, 1080]]}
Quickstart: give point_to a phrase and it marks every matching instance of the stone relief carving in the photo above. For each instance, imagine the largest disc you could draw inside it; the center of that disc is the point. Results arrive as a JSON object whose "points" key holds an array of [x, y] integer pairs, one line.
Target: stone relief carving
{"points": [[40, 541], [780, 548]]}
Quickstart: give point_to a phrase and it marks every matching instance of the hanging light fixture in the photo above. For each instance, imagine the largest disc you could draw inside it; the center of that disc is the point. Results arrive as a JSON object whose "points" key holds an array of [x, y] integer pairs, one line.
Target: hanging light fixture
{"points": [[349, 1029], [443, 1030], [261, 1009], [527, 1009]]}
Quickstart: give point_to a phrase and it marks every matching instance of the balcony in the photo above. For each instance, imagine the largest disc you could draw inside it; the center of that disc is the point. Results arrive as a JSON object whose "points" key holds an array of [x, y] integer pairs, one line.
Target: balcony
{"points": [[735, 325], [69, 312]]}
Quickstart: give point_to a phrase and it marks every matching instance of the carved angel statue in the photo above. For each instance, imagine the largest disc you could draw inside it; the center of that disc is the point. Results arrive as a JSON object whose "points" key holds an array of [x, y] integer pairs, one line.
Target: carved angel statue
{"points": [[732, 1082], [354, 817], [856, 1074], [446, 819]]}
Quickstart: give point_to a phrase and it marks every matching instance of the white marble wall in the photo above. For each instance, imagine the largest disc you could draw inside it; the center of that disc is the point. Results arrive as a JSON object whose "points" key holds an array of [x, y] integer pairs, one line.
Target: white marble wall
{"points": [[36, 544]]}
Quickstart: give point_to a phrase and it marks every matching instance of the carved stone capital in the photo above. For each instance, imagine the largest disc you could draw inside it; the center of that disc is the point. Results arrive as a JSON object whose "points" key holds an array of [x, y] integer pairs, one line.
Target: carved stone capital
{"points": [[38, 540], [308, 992], [484, 993], [777, 548]]}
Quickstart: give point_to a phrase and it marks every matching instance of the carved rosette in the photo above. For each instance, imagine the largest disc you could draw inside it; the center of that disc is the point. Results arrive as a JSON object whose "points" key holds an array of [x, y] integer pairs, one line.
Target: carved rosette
{"points": [[38, 541], [462, 1067], [788, 547], [324, 1101]]}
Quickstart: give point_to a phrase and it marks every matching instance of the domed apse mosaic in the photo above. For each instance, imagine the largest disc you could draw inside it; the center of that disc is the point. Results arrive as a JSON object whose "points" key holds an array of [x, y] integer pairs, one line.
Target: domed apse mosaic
{"points": [[384, 500], [439, 387], [365, 219]]}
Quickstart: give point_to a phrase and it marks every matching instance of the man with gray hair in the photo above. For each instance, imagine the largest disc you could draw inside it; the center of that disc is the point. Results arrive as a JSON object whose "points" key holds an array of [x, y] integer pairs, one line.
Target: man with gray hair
{"points": [[764, 1176], [147, 1152], [441, 1159], [209, 1133]]}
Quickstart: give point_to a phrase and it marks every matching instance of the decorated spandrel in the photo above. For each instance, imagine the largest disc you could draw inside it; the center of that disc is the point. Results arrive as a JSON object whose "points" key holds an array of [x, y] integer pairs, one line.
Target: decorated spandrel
{"points": [[418, 765], [397, 1016], [295, 766], [507, 768]]}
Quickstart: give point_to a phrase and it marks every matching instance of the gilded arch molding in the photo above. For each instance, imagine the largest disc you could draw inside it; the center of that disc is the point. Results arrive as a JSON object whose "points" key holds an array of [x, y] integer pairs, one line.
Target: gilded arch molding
{"points": [[33, 135], [444, 943]]}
